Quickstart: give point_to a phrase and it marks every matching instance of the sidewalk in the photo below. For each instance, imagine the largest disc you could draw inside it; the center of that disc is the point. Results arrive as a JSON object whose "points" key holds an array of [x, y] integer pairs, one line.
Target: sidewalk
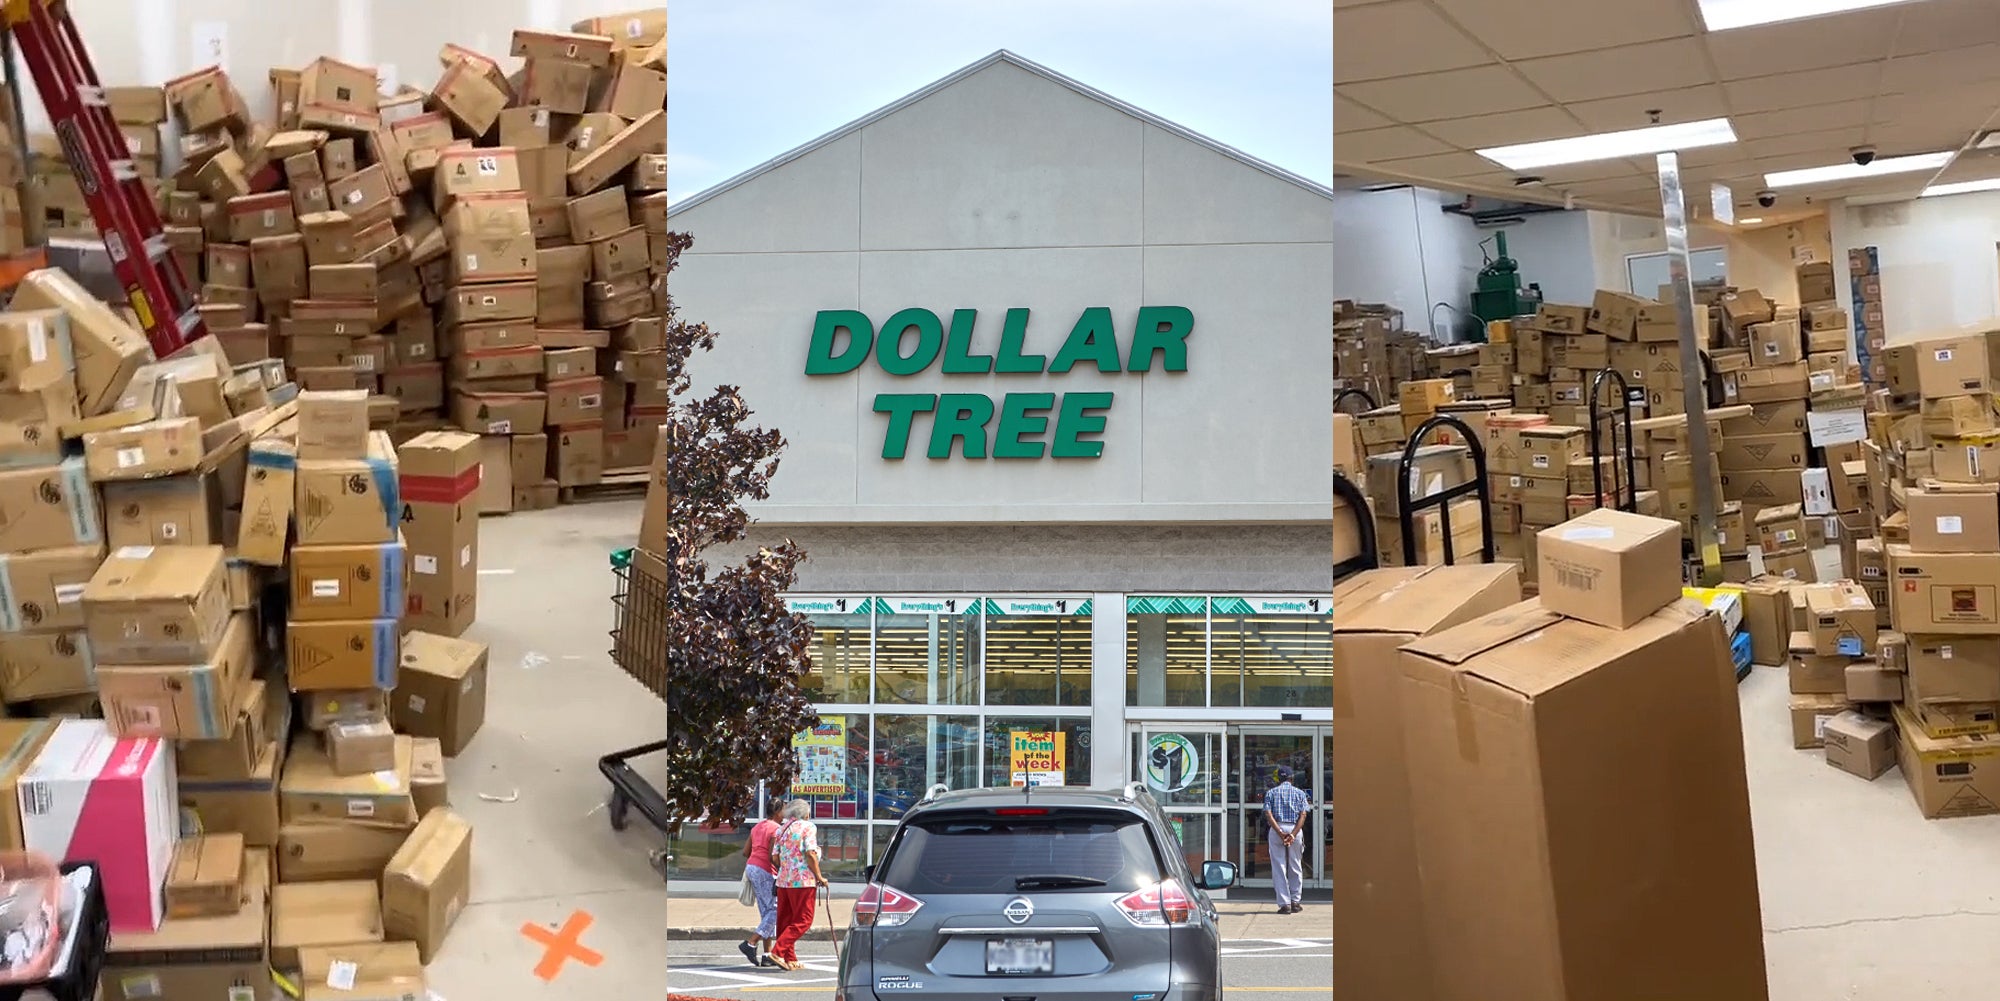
{"points": [[1245, 915]]}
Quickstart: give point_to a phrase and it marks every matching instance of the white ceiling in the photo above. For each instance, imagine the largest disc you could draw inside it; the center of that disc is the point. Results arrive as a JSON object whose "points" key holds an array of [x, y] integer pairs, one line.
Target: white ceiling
{"points": [[1419, 84]]}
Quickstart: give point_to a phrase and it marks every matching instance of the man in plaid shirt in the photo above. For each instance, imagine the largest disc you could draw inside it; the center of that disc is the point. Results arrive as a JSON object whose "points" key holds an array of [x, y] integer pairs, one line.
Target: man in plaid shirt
{"points": [[1285, 809]]}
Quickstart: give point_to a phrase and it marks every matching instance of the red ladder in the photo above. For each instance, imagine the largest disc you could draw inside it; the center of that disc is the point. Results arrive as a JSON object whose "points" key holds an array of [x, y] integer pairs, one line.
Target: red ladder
{"points": [[97, 152]]}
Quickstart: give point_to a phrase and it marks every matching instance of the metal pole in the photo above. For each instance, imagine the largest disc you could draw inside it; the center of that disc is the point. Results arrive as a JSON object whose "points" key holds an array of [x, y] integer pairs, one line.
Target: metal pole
{"points": [[1673, 211]]}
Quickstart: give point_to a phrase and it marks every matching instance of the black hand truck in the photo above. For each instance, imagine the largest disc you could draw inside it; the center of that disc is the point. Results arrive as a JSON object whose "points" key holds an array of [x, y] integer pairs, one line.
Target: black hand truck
{"points": [[639, 647], [1367, 401], [1407, 508], [1627, 494], [1357, 502]]}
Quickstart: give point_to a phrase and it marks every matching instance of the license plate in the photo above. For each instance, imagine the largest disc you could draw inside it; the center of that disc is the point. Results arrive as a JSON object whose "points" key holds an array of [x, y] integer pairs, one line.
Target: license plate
{"points": [[1020, 956]]}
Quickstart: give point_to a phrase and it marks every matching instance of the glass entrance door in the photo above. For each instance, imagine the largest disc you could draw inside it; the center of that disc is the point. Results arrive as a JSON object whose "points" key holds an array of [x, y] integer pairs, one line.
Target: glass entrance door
{"points": [[1186, 768], [1308, 752]]}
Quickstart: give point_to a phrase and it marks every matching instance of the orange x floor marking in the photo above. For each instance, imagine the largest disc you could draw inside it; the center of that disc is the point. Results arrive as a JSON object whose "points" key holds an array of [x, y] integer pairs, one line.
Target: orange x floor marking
{"points": [[562, 946]]}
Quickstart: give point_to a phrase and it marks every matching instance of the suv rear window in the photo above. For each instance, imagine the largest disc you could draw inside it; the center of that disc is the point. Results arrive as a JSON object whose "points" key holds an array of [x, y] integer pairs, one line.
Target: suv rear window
{"points": [[981, 853]]}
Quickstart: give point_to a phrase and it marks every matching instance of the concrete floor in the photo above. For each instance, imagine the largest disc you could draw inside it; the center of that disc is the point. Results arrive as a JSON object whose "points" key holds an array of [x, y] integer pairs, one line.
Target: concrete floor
{"points": [[1863, 898], [555, 704]]}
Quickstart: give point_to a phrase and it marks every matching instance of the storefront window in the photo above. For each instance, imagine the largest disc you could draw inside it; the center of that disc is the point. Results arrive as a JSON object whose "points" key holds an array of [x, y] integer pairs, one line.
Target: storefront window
{"points": [[1074, 747], [840, 654], [1166, 651], [833, 768], [1272, 660], [927, 658], [913, 753], [1037, 660]]}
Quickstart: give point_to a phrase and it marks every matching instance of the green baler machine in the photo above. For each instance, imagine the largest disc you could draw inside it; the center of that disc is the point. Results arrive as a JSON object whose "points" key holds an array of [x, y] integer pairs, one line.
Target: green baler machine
{"points": [[1499, 295]]}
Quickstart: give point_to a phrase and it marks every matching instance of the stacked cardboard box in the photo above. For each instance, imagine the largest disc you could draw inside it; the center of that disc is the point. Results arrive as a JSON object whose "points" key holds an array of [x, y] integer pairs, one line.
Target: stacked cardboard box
{"points": [[1864, 279], [1608, 640]]}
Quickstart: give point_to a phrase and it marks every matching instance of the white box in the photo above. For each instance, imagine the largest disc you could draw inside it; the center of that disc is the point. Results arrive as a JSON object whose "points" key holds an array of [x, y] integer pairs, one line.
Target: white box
{"points": [[93, 796], [1817, 488]]}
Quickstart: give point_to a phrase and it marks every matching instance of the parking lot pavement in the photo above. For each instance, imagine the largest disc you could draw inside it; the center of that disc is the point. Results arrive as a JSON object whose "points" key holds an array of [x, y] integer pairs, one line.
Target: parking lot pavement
{"points": [[1274, 969]]}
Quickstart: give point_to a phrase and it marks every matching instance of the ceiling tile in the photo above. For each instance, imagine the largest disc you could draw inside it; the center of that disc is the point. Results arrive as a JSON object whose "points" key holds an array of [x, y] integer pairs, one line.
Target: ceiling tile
{"points": [[1938, 25], [1481, 90], [1525, 29], [1628, 69], [1507, 128], [1384, 144], [1832, 143], [1852, 115], [1796, 90], [1790, 46], [1688, 104], [1939, 70], [1368, 42], [1441, 166], [1349, 116]]}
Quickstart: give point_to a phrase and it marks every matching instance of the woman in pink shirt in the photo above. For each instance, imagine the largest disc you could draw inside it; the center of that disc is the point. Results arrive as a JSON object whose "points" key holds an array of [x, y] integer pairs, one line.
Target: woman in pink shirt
{"points": [[759, 871]]}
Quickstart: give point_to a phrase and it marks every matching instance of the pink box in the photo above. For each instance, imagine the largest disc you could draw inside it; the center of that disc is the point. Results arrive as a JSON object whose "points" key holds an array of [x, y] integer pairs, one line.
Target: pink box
{"points": [[91, 796]]}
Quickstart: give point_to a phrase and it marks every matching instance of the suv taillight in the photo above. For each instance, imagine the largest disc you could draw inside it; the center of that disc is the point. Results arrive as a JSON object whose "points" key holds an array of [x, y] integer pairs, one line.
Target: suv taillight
{"points": [[1163, 903], [884, 907]]}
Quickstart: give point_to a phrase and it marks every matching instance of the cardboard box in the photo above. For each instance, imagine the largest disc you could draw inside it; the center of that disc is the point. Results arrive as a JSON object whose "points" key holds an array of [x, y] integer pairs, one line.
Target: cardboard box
{"points": [[196, 701], [1811, 714], [1868, 681], [348, 501], [1944, 592], [469, 171], [44, 590], [49, 507], [153, 605], [427, 776], [1780, 529], [183, 510], [1384, 952], [205, 877], [491, 239], [1973, 458], [1956, 719], [311, 791], [1841, 620], [1783, 450], [1860, 745], [333, 94], [329, 851], [1952, 668], [1935, 367], [343, 655], [391, 971], [1776, 343], [324, 708], [305, 915], [633, 92], [358, 747], [153, 448], [77, 805], [1809, 673], [45, 665], [1950, 776], [500, 413], [441, 690], [1609, 567], [246, 806], [358, 581], [440, 473], [260, 716], [1954, 518], [429, 882], [620, 151], [472, 100], [265, 527], [205, 957], [1772, 383], [1514, 718]]}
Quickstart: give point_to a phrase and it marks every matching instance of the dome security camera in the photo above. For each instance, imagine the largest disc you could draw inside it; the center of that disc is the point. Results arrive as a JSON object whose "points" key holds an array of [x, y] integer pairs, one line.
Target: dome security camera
{"points": [[1863, 155], [1767, 198]]}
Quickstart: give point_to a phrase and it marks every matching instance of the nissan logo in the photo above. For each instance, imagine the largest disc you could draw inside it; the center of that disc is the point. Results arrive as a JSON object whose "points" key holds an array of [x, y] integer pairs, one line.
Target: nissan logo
{"points": [[1019, 910]]}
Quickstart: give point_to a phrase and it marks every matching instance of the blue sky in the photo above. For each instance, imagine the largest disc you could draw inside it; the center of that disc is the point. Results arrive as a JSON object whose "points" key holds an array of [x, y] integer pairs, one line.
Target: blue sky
{"points": [[749, 79]]}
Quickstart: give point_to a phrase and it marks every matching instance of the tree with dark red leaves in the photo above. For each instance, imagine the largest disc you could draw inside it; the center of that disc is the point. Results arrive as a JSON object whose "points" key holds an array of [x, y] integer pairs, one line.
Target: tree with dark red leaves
{"points": [[734, 653]]}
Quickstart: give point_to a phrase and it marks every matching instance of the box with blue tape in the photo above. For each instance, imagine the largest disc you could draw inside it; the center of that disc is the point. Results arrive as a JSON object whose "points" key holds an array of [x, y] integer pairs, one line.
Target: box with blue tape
{"points": [[1841, 620]]}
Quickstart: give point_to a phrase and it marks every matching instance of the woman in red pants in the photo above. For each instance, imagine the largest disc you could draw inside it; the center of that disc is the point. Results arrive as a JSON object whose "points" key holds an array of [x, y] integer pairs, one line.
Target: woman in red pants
{"points": [[799, 880]]}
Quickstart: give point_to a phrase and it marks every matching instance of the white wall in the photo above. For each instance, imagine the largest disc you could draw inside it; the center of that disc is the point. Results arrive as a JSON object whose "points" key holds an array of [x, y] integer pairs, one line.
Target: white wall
{"points": [[1554, 251], [1940, 259], [1400, 247], [152, 41]]}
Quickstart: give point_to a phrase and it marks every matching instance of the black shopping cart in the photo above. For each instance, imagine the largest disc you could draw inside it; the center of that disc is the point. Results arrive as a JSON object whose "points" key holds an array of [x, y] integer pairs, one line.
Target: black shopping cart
{"points": [[639, 648]]}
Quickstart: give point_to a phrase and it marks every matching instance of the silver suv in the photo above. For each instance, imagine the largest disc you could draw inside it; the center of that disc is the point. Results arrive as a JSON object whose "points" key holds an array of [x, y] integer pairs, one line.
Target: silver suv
{"points": [[1035, 895]]}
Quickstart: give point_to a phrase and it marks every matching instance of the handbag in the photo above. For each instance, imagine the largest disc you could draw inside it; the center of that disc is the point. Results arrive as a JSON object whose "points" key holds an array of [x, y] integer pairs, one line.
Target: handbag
{"points": [[747, 895]]}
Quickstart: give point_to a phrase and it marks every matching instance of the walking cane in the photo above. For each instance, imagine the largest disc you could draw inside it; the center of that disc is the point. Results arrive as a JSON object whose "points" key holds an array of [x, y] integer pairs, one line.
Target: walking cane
{"points": [[832, 933]]}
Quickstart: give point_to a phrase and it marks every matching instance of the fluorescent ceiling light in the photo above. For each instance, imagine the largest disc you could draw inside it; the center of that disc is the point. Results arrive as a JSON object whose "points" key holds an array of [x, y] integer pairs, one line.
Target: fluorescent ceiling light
{"points": [[1722, 15], [1612, 145], [1962, 187], [1752, 221], [1853, 171]]}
